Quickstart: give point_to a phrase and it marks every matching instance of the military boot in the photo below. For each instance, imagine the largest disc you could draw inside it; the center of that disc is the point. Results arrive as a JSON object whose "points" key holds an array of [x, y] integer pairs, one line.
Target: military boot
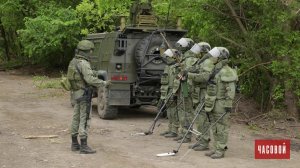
{"points": [[217, 155], [209, 153], [186, 140], [164, 133], [194, 145], [75, 145], [84, 148], [201, 147], [171, 135], [178, 138]]}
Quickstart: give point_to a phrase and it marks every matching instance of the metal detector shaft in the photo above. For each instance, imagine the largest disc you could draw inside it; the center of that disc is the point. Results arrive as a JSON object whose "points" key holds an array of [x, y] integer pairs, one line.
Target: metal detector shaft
{"points": [[150, 131], [199, 109], [211, 125]]}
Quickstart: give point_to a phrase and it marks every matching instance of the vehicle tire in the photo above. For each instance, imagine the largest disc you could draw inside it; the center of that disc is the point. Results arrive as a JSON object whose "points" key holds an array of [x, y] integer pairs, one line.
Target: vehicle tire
{"points": [[105, 111], [153, 48]]}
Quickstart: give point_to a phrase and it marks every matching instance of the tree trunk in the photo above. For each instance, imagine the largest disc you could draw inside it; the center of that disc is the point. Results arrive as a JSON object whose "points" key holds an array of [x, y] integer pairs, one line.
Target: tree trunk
{"points": [[3, 33], [290, 97]]}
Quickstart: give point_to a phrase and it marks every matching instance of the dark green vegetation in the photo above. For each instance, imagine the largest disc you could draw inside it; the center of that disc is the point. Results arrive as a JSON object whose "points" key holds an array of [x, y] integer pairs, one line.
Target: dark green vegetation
{"points": [[262, 35]]}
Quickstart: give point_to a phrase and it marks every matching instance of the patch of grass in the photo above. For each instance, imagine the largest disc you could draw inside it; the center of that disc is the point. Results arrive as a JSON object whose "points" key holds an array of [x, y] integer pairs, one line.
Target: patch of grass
{"points": [[44, 82], [253, 126], [276, 114]]}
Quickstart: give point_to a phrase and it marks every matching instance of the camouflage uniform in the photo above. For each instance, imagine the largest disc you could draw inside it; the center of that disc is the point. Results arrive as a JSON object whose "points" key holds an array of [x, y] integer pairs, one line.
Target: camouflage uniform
{"points": [[218, 100], [81, 77], [199, 80], [166, 89], [81, 113], [185, 112]]}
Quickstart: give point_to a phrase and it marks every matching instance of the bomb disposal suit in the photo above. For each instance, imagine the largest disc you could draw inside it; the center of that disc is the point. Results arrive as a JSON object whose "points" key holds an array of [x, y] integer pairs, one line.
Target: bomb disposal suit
{"points": [[219, 99]]}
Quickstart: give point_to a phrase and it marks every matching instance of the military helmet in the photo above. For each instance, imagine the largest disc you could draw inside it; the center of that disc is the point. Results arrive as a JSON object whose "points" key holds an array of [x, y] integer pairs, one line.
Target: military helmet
{"points": [[200, 47], [85, 45], [184, 44], [205, 47], [224, 53]]}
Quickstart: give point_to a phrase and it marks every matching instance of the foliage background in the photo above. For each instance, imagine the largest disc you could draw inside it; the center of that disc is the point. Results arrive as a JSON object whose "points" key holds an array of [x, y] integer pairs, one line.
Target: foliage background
{"points": [[263, 36]]}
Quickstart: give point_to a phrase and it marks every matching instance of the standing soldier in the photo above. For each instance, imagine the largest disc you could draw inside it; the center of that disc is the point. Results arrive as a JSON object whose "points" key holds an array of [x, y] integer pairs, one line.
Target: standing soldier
{"points": [[219, 99], [185, 111], [167, 80], [82, 78], [199, 79]]}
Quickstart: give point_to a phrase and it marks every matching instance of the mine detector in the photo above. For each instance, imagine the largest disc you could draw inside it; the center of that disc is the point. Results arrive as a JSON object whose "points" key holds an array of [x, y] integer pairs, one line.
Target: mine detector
{"points": [[131, 59]]}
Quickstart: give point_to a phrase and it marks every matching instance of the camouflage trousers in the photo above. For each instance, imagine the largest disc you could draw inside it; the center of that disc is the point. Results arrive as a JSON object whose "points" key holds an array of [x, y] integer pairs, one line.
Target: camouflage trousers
{"points": [[81, 119], [221, 129], [173, 117], [185, 115]]}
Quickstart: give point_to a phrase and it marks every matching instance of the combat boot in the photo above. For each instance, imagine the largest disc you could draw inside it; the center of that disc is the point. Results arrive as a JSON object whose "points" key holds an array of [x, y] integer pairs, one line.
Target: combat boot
{"points": [[217, 155], [171, 135], [178, 138], [186, 140], [194, 145], [201, 147], [84, 148], [75, 145], [209, 153], [164, 133]]}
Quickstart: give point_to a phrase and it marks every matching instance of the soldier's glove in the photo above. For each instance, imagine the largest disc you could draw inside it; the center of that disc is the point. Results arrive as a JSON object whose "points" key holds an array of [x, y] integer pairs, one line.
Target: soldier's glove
{"points": [[228, 109], [107, 83], [100, 74], [173, 97]]}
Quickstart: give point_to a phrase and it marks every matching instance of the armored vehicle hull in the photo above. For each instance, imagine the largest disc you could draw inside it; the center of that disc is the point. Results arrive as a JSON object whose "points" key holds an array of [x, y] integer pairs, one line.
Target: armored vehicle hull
{"points": [[131, 60]]}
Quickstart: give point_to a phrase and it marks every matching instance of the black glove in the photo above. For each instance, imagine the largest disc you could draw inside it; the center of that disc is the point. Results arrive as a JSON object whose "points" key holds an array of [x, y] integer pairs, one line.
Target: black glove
{"points": [[228, 109], [173, 97]]}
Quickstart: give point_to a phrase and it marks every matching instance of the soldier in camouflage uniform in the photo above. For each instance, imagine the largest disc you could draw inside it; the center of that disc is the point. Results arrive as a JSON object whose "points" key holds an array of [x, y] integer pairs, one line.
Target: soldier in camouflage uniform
{"points": [[81, 78], [199, 78], [166, 88], [185, 111], [219, 99]]}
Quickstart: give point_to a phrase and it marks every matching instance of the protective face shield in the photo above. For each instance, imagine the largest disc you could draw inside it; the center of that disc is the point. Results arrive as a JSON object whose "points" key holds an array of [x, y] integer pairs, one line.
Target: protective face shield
{"points": [[224, 53], [204, 46], [184, 44], [215, 52], [85, 45], [196, 49], [170, 55]]}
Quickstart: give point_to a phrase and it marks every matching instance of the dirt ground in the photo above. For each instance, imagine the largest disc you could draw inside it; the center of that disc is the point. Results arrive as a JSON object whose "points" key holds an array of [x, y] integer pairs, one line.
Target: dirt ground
{"points": [[26, 110]]}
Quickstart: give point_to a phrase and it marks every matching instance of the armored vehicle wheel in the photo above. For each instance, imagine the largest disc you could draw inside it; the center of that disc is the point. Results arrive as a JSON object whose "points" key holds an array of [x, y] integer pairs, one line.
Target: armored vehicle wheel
{"points": [[144, 47], [105, 111]]}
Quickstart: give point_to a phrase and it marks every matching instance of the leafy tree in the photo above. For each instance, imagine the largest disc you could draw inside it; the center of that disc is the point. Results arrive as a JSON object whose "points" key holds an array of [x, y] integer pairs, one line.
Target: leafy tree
{"points": [[49, 37], [101, 15], [263, 37]]}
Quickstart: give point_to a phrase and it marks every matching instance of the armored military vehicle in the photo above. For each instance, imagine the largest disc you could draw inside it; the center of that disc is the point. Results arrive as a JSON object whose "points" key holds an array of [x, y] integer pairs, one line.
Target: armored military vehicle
{"points": [[131, 59]]}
